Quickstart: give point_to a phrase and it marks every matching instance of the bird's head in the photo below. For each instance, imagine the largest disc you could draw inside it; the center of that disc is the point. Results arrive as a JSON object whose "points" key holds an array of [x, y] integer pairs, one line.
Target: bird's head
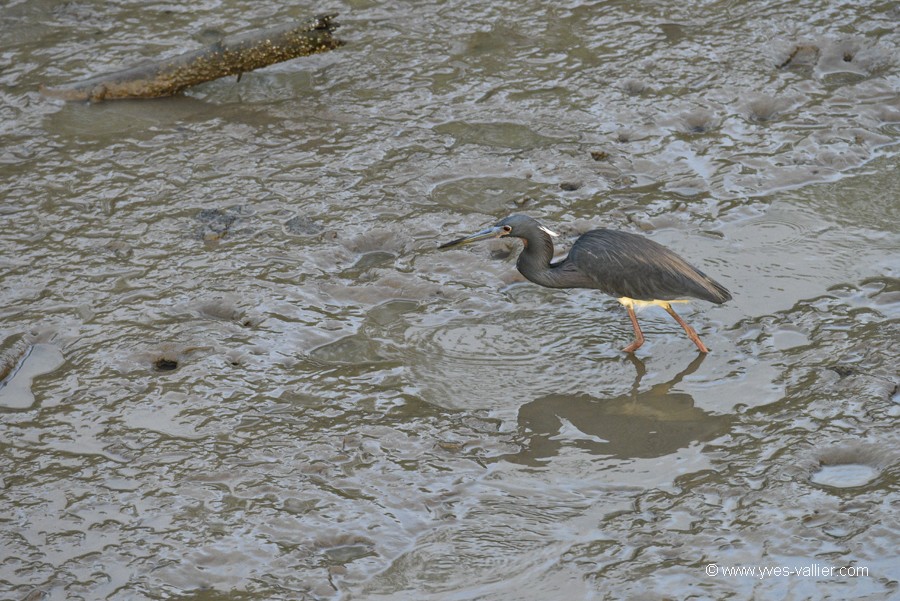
{"points": [[515, 226]]}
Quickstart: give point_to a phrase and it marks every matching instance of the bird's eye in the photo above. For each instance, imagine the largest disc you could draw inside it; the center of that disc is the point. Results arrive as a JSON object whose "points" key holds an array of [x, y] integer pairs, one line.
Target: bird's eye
{"points": [[507, 229]]}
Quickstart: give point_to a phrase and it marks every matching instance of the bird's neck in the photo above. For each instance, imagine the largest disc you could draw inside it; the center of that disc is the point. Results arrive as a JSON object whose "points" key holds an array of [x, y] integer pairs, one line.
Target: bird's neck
{"points": [[534, 260]]}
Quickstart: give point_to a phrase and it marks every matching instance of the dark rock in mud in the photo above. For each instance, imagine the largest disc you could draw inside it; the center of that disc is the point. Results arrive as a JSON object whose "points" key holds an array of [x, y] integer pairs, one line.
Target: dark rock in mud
{"points": [[215, 224], [302, 226]]}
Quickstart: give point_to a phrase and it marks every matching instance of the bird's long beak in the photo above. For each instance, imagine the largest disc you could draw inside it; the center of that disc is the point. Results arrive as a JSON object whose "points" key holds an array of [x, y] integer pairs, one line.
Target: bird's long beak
{"points": [[491, 232]]}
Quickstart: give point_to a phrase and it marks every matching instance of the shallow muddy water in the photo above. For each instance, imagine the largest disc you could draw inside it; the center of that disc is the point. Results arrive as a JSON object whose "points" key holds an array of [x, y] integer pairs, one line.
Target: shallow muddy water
{"points": [[236, 366]]}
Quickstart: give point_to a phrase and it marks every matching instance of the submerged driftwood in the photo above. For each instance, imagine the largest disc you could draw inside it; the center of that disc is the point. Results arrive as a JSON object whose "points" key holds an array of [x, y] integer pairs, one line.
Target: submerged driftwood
{"points": [[232, 55]]}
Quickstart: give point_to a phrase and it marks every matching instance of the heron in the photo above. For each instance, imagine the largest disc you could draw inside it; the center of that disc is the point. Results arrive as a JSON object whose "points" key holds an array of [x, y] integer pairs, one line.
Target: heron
{"points": [[635, 270]]}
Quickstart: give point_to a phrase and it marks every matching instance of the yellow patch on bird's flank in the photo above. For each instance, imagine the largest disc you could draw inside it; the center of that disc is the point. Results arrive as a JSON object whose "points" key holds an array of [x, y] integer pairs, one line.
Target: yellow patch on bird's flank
{"points": [[642, 304]]}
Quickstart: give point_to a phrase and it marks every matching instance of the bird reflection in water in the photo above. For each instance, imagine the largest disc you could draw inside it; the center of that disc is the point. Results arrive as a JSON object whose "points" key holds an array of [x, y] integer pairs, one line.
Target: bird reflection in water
{"points": [[646, 424]]}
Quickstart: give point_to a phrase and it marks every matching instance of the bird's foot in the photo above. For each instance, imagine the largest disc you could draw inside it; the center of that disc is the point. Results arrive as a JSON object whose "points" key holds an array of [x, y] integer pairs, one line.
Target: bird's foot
{"points": [[633, 346]]}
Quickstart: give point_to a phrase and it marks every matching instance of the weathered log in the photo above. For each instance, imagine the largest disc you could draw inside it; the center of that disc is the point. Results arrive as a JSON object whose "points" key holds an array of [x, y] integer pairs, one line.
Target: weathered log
{"points": [[232, 55]]}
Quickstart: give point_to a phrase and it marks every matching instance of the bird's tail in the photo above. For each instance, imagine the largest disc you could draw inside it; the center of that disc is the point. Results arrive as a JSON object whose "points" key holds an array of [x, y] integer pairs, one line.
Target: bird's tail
{"points": [[717, 292]]}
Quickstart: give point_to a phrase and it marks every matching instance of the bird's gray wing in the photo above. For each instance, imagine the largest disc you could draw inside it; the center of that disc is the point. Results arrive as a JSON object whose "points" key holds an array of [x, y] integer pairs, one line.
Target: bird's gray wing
{"points": [[625, 264]]}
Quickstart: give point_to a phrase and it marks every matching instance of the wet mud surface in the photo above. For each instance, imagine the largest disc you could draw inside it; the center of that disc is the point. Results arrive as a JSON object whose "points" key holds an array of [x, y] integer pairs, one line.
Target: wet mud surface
{"points": [[235, 365]]}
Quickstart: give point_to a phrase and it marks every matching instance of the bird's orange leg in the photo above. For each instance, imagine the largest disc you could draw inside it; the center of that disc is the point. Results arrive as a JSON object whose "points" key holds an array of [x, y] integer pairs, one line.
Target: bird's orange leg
{"points": [[692, 334], [638, 335]]}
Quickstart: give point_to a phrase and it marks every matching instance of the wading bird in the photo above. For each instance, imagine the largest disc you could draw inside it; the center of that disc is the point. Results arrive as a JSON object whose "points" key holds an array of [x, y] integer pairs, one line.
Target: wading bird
{"points": [[637, 271]]}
